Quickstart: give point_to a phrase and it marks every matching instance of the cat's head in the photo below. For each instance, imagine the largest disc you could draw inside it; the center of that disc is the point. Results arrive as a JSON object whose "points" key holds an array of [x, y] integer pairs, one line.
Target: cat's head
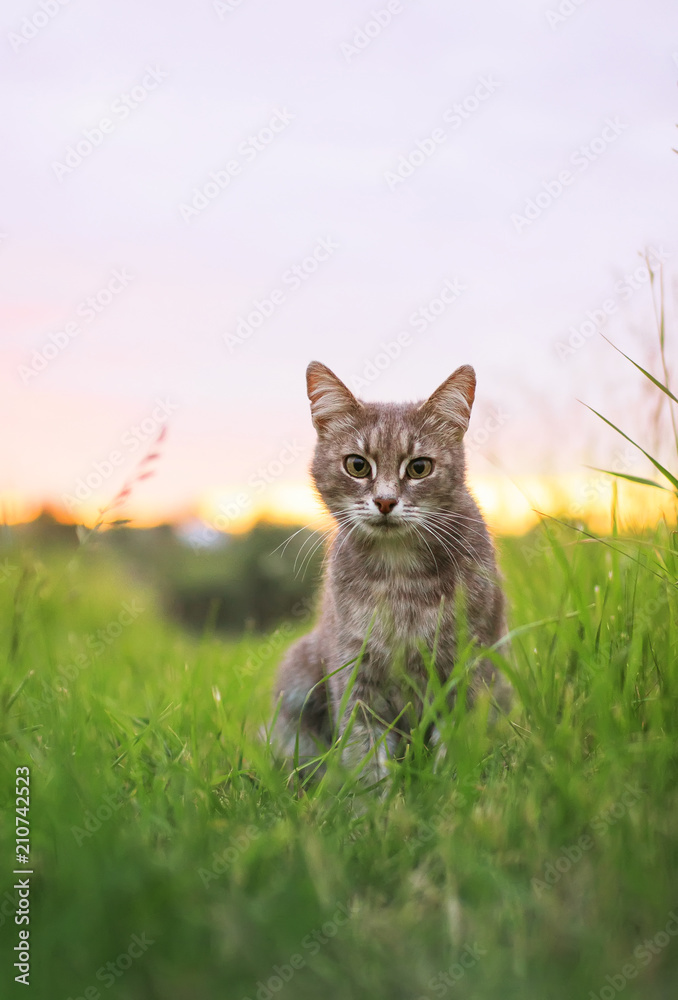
{"points": [[388, 467]]}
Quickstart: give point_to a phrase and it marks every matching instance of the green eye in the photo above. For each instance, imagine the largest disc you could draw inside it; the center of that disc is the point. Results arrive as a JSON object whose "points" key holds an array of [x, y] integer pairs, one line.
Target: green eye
{"points": [[357, 466], [420, 468]]}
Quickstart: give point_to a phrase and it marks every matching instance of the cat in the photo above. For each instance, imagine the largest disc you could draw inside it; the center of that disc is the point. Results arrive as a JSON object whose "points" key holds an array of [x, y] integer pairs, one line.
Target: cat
{"points": [[409, 541]]}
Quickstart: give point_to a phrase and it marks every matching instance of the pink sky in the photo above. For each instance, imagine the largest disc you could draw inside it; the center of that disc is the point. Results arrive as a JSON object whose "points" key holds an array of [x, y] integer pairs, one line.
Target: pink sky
{"points": [[365, 168]]}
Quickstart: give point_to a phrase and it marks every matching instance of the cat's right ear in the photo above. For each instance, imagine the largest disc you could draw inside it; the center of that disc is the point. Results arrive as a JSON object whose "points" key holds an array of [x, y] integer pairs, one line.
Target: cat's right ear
{"points": [[330, 399]]}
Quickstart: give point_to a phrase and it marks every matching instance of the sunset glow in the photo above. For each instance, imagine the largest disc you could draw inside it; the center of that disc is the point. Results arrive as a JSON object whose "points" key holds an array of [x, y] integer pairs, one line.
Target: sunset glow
{"points": [[164, 269], [511, 507]]}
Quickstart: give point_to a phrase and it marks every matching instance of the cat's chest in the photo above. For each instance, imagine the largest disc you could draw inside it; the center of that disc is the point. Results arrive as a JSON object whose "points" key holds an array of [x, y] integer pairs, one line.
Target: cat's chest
{"points": [[396, 614]]}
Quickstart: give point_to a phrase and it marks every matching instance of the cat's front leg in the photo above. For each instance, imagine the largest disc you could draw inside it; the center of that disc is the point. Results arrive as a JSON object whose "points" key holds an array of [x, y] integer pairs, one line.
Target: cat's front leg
{"points": [[439, 749], [367, 737]]}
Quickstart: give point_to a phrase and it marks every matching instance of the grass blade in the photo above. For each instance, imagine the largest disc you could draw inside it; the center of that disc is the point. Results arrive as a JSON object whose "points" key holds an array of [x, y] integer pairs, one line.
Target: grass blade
{"points": [[667, 475], [655, 381], [631, 479]]}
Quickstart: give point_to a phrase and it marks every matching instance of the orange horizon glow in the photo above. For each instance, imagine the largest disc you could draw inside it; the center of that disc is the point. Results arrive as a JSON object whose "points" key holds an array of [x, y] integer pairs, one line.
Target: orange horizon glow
{"points": [[511, 507]]}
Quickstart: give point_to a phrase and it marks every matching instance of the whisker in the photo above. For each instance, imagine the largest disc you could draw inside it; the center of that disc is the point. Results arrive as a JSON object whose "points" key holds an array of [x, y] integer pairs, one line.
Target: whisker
{"points": [[311, 539], [305, 527], [456, 530], [446, 528], [445, 547], [427, 546], [448, 519], [453, 537], [309, 555], [345, 539], [454, 515], [340, 528]]}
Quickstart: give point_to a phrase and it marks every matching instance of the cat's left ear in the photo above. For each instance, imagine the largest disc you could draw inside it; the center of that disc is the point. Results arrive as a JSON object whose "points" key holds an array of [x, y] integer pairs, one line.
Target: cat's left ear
{"points": [[330, 399], [452, 401]]}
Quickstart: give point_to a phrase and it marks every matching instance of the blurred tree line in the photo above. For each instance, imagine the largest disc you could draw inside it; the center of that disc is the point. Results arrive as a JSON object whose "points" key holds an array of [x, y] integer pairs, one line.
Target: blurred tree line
{"points": [[250, 581]]}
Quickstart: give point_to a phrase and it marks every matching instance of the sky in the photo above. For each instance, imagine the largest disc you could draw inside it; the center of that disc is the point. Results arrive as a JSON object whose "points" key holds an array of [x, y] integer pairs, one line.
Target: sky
{"points": [[201, 198]]}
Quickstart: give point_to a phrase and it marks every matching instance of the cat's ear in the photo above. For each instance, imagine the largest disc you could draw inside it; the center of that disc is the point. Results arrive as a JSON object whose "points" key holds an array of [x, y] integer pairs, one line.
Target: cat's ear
{"points": [[452, 401], [330, 399]]}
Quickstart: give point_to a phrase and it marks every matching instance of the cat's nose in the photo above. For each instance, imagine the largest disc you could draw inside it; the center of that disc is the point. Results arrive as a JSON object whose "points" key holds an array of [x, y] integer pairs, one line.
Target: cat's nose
{"points": [[386, 504]]}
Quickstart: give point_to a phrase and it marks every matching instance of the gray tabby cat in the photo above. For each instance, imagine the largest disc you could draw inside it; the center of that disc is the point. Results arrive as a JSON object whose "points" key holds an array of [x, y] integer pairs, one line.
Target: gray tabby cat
{"points": [[409, 541]]}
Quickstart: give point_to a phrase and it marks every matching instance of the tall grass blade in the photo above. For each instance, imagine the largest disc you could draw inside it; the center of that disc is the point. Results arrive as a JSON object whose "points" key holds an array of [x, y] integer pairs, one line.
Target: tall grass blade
{"points": [[667, 475], [631, 479]]}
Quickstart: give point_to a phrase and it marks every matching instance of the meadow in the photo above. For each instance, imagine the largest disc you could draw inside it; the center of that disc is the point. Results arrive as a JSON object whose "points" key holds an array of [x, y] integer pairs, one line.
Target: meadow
{"points": [[172, 859]]}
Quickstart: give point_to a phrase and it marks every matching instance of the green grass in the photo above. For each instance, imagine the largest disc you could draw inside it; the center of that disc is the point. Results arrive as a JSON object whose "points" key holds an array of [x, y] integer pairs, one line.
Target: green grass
{"points": [[531, 864]]}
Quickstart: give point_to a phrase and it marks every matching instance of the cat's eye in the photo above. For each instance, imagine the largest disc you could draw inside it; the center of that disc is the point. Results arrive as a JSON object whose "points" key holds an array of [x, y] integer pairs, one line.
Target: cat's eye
{"points": [[420, 468], [357, 466]]}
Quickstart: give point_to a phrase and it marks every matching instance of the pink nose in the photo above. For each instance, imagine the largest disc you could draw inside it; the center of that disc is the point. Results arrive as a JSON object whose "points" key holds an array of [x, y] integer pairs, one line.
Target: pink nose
{"points": [[386, 504]]}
